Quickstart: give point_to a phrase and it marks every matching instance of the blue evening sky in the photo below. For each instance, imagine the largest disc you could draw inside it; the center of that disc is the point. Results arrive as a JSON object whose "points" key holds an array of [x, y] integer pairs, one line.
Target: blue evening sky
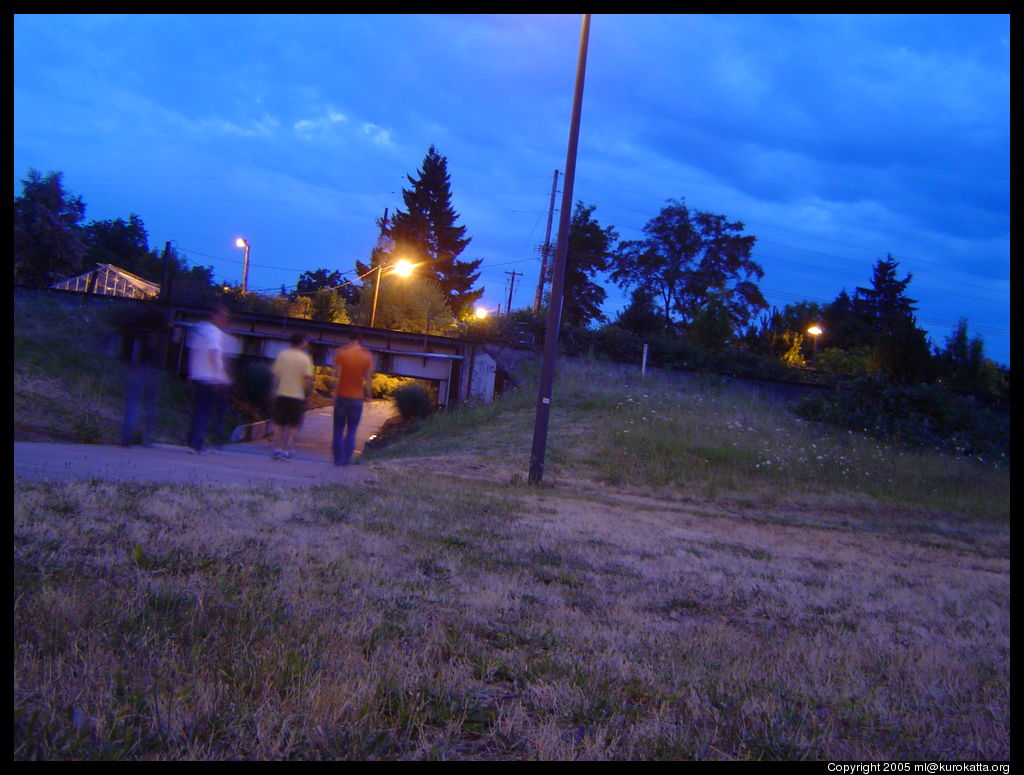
{"points": [[836, 139]]}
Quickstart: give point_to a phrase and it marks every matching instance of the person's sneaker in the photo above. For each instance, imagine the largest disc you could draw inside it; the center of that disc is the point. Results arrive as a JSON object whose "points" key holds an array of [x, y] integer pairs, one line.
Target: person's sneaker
{"points": [[216, 450], [193, 451], [278, 455], [286, 455]]}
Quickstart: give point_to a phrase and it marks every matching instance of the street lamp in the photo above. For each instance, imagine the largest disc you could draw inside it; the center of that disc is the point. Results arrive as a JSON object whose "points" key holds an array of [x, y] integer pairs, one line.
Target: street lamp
{"points": [[241, 243], [402, 268], [481, 313], [815, 331]]}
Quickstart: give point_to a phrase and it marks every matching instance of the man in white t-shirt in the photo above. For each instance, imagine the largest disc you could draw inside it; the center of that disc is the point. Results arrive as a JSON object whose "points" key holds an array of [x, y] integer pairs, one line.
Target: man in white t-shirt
{"points": [[293, 381], [210, 380]]}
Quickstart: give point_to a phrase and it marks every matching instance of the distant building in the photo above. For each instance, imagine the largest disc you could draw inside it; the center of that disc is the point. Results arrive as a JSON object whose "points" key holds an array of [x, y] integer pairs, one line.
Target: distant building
{"points": [[110, 280]]}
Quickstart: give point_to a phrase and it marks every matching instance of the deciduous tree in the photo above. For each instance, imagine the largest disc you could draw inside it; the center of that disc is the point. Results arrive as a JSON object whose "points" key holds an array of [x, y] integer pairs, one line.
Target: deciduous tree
{"points": [[689, 257], [589, 252], [49, 240]]}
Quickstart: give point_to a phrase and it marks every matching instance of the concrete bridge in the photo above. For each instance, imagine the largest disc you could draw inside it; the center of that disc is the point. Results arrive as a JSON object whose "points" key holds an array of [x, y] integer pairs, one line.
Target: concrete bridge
{"points": [[459, 369]]}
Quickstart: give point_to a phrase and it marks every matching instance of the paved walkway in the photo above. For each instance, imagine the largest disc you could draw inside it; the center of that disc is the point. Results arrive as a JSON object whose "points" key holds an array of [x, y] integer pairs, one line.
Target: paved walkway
{"points": [[242, 464]]}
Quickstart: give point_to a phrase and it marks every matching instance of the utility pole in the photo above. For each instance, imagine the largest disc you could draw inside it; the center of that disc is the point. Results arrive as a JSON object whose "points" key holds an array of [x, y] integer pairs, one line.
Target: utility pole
{"points": [[545, 249], [540, 426], [512, 287], [165, 285]]}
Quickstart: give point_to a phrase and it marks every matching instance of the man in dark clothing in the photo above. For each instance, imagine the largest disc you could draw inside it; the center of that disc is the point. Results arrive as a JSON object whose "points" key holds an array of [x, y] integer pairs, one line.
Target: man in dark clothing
{"points": [[141, 341]]}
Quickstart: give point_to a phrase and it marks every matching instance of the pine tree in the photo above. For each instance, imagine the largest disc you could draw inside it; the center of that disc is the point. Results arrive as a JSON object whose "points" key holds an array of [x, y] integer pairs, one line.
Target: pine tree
{"points": [[899, 348], [426, 232]]}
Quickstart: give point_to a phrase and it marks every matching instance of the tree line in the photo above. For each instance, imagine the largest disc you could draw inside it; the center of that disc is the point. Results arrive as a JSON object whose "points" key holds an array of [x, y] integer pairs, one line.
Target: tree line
{"points": [[691, 279]]}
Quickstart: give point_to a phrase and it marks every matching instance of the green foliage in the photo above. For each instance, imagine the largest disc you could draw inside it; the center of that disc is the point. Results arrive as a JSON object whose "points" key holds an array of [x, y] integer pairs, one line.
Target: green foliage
{"points": [[588, 254], [640, 317], [328, 306], [686, 258], [413, 401], [916, 415], [410, 303], [852, 362], [962, 365], [711, 327], [49, 240], [386, 385], [256, 382]]}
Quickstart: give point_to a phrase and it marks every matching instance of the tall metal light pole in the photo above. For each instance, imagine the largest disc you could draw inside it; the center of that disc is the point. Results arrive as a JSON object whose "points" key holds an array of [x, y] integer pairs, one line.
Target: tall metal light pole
{"points": [[402, 268], [815, 331], [540, 425], [241, 243]]}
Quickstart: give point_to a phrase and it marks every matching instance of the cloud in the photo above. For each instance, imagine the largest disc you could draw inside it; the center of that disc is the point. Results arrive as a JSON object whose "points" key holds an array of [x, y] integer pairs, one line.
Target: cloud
{"points": [[378, 135], [307, 127]]}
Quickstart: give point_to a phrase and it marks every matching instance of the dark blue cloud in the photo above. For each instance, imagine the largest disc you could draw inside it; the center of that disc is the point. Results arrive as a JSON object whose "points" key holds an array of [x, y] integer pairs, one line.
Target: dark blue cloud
{"points": [[837, 138]]}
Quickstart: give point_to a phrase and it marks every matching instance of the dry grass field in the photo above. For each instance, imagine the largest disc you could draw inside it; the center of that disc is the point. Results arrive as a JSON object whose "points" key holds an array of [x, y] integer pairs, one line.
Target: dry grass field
{"points": [[702, 576]]}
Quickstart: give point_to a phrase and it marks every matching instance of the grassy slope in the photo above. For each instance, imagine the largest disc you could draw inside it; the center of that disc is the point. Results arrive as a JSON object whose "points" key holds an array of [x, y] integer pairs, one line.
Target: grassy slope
{"points": [[701, 577], [68, 381]]}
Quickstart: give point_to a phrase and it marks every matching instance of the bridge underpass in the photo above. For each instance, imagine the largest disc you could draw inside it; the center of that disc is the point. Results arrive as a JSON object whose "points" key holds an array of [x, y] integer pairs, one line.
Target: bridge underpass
{"points": [[460, 369]]}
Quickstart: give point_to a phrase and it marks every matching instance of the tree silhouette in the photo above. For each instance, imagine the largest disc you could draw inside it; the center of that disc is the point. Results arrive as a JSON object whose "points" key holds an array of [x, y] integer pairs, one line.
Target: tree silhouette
{"points": [[589, 252], [49, 241], [689, 258], [426, 232]]}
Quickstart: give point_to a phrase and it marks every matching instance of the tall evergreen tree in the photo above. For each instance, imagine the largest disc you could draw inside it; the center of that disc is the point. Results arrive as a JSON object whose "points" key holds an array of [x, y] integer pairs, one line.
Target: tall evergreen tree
{"points": [[426, 232], [884, 307], [49, 241], [900, 348]]}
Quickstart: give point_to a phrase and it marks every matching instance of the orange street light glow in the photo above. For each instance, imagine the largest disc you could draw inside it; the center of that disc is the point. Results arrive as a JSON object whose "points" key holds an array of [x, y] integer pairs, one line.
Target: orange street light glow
{"points": [[402, 268], [813, 330]]}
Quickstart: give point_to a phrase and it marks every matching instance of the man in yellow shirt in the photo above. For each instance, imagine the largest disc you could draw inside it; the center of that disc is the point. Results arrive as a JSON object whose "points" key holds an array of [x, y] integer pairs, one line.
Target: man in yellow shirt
{"points": [[354, 368], [293, 381]]}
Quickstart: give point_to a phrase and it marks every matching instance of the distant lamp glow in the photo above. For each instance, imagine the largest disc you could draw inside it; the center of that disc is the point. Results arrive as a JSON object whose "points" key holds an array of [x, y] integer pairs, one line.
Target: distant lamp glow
{"points": [[815, 331], [402, 268], [241, 243], [481, 313]]}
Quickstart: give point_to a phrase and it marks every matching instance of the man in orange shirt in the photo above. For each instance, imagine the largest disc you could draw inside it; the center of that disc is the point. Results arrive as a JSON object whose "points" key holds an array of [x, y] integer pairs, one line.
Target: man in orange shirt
{"points": [[353, 366]]}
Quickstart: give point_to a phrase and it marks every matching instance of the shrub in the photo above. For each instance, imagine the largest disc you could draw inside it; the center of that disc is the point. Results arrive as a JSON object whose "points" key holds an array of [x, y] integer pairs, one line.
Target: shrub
{"points": [[915, 415], [413, 401]]}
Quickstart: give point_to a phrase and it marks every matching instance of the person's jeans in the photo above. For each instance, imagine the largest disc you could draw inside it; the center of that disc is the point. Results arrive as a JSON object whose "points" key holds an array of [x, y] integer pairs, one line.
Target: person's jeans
{"points": [[142, 385], [210, 402], [347, 413]]}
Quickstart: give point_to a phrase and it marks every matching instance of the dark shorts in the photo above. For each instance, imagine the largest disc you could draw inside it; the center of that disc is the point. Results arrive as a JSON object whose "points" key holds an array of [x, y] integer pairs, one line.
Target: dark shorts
{"points": [[288, 411]]}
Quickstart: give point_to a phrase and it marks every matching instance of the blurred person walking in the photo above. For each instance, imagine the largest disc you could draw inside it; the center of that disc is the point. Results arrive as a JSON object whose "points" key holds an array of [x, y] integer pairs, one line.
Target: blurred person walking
{"points": [[210, 381], [141, 339], [293, 382], [353, 366]]}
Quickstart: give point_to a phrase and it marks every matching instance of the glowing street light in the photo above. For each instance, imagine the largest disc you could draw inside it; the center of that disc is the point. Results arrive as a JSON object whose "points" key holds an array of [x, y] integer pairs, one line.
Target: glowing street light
{"points": [[402, 268], [241, 243], [815, 331], [481, 313]]}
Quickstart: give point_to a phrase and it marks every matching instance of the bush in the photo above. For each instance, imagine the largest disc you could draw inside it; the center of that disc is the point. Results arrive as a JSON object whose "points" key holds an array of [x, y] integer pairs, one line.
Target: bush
{"points": [[385, 385], [915, 415], [413, 401]]}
